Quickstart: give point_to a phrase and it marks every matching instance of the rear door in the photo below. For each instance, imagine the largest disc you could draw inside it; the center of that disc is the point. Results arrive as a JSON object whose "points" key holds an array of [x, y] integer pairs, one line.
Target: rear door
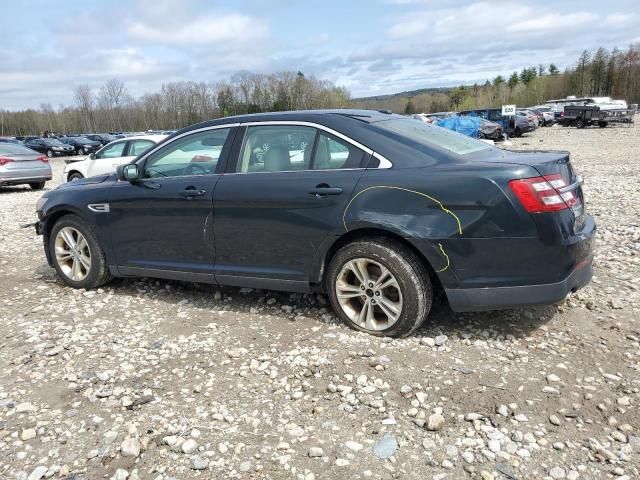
{"points": [[279, 200]]}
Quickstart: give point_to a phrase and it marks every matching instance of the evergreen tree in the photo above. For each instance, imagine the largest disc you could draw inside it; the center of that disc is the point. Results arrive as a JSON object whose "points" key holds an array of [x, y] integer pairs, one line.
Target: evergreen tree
{"points": [[553, 69], [513, 80]]}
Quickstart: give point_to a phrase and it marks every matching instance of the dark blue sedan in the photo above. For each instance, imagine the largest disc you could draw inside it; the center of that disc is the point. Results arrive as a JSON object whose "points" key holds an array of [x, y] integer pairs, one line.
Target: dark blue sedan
{"points": [[377, 210]]}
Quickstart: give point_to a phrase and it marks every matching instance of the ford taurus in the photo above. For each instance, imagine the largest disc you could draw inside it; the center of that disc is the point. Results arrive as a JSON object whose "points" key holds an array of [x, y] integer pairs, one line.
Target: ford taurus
{"points": [[377, 210]]}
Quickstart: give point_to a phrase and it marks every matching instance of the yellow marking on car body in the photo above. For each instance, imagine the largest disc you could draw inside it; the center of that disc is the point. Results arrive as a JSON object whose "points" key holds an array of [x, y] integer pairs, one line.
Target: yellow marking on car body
{"points": [[445, 256], [435, 200]]}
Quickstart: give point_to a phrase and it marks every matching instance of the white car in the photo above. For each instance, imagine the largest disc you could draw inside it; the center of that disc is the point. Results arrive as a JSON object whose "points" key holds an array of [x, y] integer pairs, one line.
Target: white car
{"points": [[109, 157]]}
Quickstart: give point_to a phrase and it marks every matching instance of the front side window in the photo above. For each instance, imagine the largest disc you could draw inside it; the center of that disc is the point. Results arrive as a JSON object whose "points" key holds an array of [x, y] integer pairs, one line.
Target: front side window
{"points": [[276, 148], [195, 154], [111, 151]]}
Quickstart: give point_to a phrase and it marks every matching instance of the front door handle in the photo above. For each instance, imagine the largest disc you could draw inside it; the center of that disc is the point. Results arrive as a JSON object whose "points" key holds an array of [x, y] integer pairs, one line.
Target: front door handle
{"points": [[191, 192], [321, 191]]}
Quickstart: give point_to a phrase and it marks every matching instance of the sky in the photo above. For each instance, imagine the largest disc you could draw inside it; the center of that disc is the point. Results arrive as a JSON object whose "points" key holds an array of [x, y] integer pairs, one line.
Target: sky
{"points": [[371, 47]]}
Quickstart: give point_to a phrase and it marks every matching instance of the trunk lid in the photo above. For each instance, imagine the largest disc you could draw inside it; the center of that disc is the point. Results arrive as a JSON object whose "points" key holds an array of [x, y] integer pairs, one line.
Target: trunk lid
{"points": [[25, 161]]}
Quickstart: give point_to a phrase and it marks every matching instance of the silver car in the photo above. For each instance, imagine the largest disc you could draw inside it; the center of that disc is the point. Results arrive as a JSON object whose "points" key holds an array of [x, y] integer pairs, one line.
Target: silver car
{"points": [[20, 165]]}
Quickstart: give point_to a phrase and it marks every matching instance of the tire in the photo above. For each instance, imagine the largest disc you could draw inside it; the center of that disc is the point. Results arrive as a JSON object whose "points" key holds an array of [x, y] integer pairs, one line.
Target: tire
{"points": [[74, 176], [602, 124], [580, 123], [97, 273], [37, 185], [78, 151], [517, 132], [50, 153], [412, 287]]}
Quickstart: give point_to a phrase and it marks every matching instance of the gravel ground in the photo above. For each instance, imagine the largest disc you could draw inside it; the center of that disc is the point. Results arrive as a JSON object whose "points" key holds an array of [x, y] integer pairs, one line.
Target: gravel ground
{"points": [[148, 379]]}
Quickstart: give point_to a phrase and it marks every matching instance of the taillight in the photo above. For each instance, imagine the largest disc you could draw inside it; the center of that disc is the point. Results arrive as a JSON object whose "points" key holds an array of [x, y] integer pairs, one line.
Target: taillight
{"points": [[541, 194], [5, 160], [43, 159]]}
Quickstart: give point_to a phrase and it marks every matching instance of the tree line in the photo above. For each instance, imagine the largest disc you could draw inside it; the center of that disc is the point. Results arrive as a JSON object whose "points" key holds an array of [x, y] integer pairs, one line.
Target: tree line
{"points": [[600, 72], [111, 108]]}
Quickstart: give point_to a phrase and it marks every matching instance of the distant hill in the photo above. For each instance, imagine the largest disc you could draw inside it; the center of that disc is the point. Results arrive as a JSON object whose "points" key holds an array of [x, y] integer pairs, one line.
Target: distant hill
{"points": [[408, 93]]}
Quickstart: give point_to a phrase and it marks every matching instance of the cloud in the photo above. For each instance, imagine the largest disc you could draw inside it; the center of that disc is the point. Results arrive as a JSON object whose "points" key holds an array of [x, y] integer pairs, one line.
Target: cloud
{"points": [[234, 28]]}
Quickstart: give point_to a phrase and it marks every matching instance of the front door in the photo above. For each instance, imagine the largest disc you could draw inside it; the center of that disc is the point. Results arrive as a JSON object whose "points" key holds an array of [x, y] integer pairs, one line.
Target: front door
{"points": [[285, 195], [163, 222]]}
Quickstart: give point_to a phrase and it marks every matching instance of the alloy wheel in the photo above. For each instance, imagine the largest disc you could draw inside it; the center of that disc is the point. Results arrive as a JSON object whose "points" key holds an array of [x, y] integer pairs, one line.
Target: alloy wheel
{"points": [[72, 254], [369, 294]]}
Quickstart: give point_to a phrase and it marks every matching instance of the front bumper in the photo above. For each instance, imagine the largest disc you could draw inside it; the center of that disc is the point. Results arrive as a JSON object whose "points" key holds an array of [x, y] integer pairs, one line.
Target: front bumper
{"points": [[497, 298]]}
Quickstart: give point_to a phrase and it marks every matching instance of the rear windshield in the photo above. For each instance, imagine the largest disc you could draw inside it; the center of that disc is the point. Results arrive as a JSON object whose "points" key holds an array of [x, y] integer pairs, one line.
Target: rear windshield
{"points": [[429, 135]]}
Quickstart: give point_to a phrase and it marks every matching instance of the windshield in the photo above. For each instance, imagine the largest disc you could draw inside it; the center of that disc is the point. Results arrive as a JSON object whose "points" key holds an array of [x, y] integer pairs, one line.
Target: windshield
{"points": [[428, 135]]}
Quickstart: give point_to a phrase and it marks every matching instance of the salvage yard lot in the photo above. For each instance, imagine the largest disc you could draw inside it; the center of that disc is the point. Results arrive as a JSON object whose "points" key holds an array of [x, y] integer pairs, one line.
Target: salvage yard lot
{"points": [[172, 380]]}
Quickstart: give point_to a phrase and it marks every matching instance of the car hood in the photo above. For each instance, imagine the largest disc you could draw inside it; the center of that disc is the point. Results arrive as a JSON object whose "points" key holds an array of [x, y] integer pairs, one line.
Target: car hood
{"points": [[84, 181]]}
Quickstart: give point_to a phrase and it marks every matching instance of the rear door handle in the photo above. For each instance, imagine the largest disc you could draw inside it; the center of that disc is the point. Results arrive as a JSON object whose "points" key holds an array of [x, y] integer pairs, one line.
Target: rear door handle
{"points": [[322, 191], [191, 192]]}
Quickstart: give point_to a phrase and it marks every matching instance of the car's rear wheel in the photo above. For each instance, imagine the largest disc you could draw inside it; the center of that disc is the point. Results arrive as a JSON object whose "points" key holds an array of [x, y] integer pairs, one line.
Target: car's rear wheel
{"points": [[380, 287], [580, 123], [49, 153], [37, 185], [77, 256], [75, 176]]}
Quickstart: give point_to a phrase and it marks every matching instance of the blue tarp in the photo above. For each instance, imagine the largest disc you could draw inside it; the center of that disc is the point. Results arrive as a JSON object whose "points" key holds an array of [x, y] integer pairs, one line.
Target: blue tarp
{"points": [[466, 125]]}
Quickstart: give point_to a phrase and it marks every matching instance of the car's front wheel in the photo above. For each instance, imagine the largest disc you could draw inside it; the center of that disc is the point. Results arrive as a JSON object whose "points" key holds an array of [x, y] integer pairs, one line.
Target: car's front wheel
{"points": [[77, 256], [49, 153], [75, 176], [380, 287]]}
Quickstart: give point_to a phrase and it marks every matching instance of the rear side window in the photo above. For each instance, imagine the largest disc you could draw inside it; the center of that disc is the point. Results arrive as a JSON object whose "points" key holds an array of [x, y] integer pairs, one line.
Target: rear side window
{"points": [[333, 153], [430, 136], [136, 147]]}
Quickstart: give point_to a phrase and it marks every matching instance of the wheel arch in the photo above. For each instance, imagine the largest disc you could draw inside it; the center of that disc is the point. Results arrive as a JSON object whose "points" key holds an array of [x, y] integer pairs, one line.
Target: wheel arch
{"points": [[370, 233]]}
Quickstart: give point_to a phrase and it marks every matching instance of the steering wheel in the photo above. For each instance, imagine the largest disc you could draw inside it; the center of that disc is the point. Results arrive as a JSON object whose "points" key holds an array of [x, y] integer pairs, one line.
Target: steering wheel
{"points": [[196, 169]]}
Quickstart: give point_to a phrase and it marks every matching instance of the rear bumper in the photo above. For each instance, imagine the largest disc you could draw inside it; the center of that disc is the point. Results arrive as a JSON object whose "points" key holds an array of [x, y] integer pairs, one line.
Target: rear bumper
{"points": [[496, 298], [24, 180]]}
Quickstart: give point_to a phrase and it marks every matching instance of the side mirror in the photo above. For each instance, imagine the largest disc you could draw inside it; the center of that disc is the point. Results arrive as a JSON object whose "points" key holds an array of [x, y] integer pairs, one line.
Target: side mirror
{"points": [[128, 172], [92, 156]]}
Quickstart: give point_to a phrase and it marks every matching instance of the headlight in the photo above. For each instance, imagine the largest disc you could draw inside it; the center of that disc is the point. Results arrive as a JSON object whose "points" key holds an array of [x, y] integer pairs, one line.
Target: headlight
{"points": [[40, 203]]}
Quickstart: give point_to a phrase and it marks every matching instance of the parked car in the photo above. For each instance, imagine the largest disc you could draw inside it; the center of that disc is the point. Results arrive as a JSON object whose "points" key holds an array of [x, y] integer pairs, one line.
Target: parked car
{"points": [[530, 115], [10, 140], [522, 125], [548, 116], [378, 210], [82, 145], [490, 130], [20, 165], [103, 138], [52, 147], [512, 125], [109, 157]]}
